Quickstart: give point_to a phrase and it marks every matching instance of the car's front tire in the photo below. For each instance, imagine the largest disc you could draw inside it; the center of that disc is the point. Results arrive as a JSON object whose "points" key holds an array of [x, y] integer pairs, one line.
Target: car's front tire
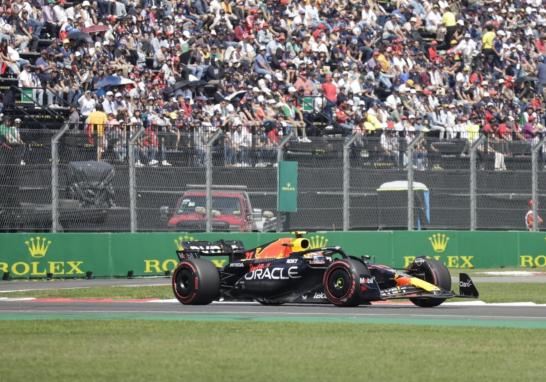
{"points": [[341, 282], [196, 282], [434, 272]]}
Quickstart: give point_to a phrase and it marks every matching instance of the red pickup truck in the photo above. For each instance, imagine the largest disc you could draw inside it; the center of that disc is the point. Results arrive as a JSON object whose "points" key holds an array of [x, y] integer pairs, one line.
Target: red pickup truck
{"points": [[231, 211]]}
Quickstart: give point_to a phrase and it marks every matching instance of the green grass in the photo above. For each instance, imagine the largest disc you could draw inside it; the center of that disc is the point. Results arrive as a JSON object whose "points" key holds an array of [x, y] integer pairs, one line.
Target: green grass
{"points": [[489, 292], [249, 351]]}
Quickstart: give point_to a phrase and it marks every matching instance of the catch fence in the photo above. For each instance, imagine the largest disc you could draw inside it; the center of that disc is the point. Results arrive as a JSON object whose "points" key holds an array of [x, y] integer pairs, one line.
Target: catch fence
{"points": [[127, 178]]}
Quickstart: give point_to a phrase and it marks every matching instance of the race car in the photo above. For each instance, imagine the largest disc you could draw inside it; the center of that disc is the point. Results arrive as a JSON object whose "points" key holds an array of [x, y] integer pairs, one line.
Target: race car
{"points": [[288, 270]]}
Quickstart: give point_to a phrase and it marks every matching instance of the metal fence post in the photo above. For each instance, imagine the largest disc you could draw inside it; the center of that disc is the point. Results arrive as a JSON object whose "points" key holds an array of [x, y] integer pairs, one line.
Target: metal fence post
{"points": [[409, 153], [208, 185], [347, 182], [279, 159], [132, 179], [534, 180], [55, 178], [473, 172]]}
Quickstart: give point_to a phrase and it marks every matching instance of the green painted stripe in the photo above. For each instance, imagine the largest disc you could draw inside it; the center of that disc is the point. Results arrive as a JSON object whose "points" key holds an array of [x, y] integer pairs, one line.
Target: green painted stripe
{"points": [[493, 323]]}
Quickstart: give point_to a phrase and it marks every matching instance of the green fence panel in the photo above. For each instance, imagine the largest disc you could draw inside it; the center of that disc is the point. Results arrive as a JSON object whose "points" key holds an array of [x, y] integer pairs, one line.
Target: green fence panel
{"points": [[26, 255]]}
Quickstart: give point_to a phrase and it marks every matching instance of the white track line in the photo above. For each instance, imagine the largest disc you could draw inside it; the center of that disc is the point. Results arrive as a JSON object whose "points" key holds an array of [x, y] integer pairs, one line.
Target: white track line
{"points": [[286, 314], [175, 301]]}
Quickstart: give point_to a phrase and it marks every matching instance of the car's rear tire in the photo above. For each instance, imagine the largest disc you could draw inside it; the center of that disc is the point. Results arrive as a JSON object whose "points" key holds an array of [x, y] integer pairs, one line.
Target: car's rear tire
{"points": [[341, 282], [196, 282], [434, 272]]}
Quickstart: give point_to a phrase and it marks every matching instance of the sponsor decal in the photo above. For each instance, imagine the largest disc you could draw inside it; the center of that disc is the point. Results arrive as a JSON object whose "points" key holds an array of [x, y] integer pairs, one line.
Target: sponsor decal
{"points": [[367, 280], [449, 261], [317, 241], [288, 187], [236, 265], [291, 261], [162, 266], [319, 296], [179, 241], [466, 284], [532, 261], [439, 242], [273, 274], [38, 247]]}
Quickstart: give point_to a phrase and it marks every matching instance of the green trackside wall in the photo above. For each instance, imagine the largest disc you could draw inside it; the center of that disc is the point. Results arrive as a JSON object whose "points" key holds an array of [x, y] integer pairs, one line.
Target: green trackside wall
{"points": [[70, 255]]}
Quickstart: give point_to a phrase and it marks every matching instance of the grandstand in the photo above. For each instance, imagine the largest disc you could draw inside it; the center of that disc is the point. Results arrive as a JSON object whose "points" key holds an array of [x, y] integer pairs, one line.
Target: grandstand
{"points": [[381, 72]]}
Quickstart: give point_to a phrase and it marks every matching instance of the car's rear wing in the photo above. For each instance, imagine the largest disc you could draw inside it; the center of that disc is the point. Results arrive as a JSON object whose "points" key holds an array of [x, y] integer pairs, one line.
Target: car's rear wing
{"points": [[195, 249]]}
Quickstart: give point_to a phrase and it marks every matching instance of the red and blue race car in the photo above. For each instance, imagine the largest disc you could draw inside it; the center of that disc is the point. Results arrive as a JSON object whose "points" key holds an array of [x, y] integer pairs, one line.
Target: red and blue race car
{"points": [[288, 270]]}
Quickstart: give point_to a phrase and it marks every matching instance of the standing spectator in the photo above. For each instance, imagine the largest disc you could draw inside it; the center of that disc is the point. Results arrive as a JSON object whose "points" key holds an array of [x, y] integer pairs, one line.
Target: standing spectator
{"points": [[10, 135], [109, 104], [329, 89], [541, 74], [95, 124], [87, 103], [530, 217]]}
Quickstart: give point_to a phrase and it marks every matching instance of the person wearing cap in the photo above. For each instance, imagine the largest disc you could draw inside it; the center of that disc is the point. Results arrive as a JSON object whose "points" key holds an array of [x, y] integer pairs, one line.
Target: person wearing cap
{"points": [[9, 132], [109, 103], [468, 48], [530, 217], [86, 103]]}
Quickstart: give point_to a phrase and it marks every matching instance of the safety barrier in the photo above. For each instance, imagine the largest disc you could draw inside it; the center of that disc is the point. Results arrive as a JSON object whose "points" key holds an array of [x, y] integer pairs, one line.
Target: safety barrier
{"points": [[71, 255]]}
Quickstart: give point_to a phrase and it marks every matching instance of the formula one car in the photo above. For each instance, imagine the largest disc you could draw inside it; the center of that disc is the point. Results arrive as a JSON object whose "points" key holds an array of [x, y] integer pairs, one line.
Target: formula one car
{"points": [[287, 270]]}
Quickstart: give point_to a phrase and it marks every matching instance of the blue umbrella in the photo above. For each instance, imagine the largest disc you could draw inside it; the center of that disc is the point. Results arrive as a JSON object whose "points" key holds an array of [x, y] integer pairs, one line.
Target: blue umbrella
{"points": [[110, 81]]}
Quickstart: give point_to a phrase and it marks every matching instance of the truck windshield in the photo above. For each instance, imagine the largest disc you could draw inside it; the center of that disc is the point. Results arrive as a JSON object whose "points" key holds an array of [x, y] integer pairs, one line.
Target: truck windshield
{"points": [[225, 205]]}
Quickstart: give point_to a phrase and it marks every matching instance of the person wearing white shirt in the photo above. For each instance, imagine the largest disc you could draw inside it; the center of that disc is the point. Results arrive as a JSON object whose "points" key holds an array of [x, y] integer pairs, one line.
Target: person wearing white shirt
{"points": [[25, 77], [468, 48], [60, 14], [87, 104], [108, 105], [433, 20], [368, 16]]}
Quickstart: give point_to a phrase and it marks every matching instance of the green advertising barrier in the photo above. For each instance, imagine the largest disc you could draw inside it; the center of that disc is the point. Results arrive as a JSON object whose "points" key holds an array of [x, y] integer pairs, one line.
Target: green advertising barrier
{"points": [[70, 255]]}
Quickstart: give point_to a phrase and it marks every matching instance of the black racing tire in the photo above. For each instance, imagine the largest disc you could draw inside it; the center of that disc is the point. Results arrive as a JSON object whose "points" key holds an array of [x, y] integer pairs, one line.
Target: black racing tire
{"points": [[196, 282], [435, 273], [341, 282]]}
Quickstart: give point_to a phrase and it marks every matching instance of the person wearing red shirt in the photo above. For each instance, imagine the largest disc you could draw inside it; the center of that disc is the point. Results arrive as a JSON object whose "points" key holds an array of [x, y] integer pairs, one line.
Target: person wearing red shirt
{"points": [[329, 89]]}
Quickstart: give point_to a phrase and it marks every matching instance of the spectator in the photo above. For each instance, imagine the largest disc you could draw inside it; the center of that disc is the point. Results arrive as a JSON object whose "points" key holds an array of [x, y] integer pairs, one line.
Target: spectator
{"points": [[530, 217]]}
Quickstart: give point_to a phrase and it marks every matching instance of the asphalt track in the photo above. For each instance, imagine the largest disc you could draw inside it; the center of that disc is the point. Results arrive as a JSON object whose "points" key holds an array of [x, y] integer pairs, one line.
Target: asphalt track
{"points": [[471, 313]]}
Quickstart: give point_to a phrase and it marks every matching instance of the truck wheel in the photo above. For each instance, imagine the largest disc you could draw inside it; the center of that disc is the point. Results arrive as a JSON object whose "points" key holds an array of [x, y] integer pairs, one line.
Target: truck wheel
{"points": [[341, 282], [196, 282], [431, 271]]}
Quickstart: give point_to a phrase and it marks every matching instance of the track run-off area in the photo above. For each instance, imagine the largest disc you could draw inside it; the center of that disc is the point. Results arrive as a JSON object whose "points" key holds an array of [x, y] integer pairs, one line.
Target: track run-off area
{"points": [[525, 315]]}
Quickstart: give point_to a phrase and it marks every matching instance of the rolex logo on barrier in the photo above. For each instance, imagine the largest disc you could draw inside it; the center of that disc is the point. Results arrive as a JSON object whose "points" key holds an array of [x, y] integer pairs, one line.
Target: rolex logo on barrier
{"points": [[317, 241], [439, 242], [179, 241], [38, 246]]}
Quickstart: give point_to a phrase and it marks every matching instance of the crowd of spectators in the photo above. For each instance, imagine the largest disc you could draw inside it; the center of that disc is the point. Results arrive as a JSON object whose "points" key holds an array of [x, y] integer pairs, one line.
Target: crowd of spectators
{"points": [[263, 68]]}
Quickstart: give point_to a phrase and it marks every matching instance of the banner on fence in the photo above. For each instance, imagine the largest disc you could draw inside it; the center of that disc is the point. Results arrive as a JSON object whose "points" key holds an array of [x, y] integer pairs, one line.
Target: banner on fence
{"points": [[72, 255]]}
